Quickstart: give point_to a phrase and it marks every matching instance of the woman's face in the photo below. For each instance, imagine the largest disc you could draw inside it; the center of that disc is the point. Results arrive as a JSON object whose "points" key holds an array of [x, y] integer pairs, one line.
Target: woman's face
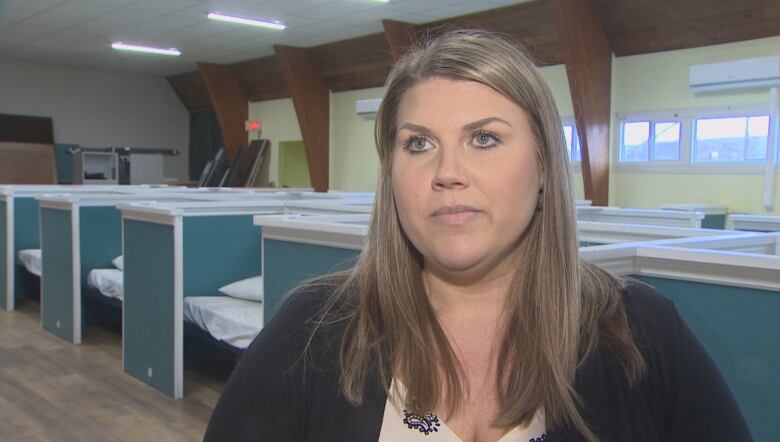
{"points": [[465, 176]]}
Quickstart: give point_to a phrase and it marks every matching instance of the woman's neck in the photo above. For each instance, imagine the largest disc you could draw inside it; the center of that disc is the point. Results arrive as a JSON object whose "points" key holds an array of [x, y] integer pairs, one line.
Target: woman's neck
{"points": [[482, 300]]}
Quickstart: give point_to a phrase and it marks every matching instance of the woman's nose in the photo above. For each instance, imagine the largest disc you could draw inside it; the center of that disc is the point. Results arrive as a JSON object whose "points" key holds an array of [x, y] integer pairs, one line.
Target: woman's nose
{"points": [[450, 172]]}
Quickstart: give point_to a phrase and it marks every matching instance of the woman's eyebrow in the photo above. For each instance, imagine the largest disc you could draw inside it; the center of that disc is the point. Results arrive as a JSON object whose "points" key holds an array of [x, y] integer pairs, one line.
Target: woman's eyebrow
{"points": [[467, 128], [479, 123], [415, 128]]}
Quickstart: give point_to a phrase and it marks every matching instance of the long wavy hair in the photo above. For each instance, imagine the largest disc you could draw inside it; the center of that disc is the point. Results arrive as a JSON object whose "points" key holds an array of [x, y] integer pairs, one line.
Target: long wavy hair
{"points": [[559, 308]]}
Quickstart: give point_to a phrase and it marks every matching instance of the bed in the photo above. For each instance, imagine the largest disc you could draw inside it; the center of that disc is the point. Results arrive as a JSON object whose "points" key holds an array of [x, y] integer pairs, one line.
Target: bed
{"points": [[232, 321], [31, 260], [107, 282]]}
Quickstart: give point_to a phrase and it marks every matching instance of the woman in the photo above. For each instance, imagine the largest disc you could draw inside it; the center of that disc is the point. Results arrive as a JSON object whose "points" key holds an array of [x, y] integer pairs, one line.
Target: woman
{"points": [[469, 314]]}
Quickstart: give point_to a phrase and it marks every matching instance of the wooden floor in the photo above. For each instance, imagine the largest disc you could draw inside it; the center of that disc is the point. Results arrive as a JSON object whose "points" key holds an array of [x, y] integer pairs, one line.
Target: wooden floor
{"points": [[51, 390]]}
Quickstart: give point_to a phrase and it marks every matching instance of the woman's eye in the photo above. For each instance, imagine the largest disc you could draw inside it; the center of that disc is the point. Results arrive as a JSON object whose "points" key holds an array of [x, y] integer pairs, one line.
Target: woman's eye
{"points": [[484, 140], [417, 144]]}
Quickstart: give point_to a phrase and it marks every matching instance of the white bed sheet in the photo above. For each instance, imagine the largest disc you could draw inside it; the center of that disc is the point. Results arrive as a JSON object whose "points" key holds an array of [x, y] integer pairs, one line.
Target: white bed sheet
{"points": [[32, 261], [235, 321], [109, 282]]}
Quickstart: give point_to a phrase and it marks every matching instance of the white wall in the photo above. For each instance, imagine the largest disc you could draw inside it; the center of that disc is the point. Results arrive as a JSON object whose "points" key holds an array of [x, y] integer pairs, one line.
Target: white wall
{"points": [[98, 109]]}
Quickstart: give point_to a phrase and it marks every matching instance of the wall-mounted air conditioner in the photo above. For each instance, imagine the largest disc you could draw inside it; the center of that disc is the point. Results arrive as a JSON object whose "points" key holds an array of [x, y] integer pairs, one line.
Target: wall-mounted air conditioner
{"points": [[738, 74], [367, 108]]}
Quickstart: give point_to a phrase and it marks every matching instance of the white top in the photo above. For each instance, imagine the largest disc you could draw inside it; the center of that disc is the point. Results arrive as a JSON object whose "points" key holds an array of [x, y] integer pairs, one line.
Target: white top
{"points": [[402, 425], [707, 209]]}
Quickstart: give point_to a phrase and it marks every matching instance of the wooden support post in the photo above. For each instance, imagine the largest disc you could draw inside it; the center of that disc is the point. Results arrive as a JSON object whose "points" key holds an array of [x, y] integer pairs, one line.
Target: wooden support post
{"points": [[399, 35], [311, 99], [230, 105], [588, 57]]}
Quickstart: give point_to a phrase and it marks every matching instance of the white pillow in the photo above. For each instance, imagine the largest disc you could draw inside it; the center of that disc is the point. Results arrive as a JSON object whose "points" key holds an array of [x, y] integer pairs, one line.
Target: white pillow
{"points": [[119, 262], [250, 289]]}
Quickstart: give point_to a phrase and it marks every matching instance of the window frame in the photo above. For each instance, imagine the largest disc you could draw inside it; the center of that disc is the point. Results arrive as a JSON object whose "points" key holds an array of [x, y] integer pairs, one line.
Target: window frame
{"points": [[686, 119]]}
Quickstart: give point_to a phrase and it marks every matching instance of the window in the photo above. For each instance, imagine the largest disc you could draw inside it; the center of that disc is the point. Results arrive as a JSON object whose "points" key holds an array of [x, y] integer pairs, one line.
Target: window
{"points": [[648, 140], [572, 142], [636, 141], [666, 142], [731, 139]]}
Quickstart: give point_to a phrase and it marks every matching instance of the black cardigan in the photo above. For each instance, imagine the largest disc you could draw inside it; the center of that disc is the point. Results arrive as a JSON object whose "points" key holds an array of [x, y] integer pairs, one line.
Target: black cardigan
{"points": [[277, 395]]}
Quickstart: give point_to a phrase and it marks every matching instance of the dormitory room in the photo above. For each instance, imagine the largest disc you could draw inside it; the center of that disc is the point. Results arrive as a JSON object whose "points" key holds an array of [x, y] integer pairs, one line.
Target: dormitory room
{"points": [[389, 220]]}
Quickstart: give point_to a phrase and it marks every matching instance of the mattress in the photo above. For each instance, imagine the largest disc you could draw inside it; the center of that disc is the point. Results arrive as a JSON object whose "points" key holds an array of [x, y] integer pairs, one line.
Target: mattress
{"points": [[31, 259], [231, 320], [109, 282]]}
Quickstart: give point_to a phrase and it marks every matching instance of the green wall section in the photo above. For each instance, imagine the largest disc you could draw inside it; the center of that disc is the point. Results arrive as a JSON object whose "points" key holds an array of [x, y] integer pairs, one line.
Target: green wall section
{"points": [[287, 264], [739, 328], [293, 166], [25, 237], [148, 305], [219, 250], [57, 281]]}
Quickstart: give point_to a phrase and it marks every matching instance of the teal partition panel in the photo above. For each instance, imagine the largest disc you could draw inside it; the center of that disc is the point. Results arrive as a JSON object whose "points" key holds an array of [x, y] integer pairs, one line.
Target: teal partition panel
{"points": [[714, 222], [64, 160], [219, 250], [25, 237], [57, 281], [287, 264], [739, 328], [100, 232], [3, 251], [148, 341]]}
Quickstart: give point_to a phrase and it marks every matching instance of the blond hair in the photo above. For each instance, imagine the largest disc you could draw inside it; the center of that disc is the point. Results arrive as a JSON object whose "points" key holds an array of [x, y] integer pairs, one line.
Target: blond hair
{"points": [[559, 307]]}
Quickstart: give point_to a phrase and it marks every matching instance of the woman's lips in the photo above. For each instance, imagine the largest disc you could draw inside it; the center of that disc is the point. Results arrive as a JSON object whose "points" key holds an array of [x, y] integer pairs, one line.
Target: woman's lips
{"points": [[455, 215]]}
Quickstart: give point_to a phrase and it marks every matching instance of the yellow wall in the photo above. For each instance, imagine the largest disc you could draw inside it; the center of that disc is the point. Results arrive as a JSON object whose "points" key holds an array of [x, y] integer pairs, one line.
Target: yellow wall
{"points": [[660, 81], [354, 162], [742, 193]]}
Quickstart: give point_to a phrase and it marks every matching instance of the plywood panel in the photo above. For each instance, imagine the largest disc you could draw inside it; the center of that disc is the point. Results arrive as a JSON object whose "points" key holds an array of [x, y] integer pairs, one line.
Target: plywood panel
{"points": [[632, 27], [399, 36], [27, 163], [191, 90], [357, 63], [530, 23], [261, 78], [644, 26]]}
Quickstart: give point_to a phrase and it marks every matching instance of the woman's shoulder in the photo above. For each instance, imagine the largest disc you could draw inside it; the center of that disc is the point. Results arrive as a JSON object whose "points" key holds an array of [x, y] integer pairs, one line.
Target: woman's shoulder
{"points": [[648, 311], [301, 315], [267, 395], [681, 395]]}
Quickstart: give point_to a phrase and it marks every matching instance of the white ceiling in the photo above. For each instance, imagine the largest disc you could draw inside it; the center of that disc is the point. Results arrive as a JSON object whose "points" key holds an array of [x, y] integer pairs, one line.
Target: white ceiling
{"points": [[79, 33]]}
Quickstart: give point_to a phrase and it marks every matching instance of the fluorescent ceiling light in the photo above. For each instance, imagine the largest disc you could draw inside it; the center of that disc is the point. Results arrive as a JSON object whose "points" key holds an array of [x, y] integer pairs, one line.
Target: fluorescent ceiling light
{"points": [[271, 24], [151, 50]]}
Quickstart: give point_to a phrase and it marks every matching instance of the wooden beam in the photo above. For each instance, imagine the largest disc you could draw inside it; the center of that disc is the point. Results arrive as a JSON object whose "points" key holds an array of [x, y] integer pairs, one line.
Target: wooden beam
{"points": [[311, 99], [230, 104], [399, 36], [588, 57]]}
